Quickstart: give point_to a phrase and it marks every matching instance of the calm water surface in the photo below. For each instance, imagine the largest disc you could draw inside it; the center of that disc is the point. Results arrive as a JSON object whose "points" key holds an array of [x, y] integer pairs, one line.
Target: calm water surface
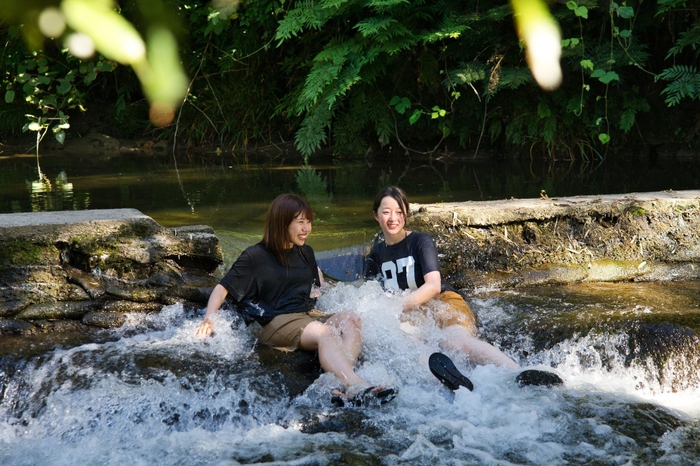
{"points": [[232, 193]]}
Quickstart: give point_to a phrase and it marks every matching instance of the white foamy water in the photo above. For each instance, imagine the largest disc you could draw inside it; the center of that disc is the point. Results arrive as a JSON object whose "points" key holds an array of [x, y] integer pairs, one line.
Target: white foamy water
{"points": [[158, 395]]}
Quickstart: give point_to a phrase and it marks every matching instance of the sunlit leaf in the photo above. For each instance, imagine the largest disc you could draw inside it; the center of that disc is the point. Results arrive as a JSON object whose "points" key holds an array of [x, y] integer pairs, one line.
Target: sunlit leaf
{"points": [[114, 36]]}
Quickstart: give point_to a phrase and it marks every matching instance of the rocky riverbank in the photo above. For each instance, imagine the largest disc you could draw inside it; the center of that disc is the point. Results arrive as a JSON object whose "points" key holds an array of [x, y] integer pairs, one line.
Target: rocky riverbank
{"points": [[527, 242], [94, 266]]}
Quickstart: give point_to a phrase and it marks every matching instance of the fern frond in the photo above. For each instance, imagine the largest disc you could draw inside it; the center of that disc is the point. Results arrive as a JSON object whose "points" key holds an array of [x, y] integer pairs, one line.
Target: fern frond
{"points": [[327, 66], [467, 73], [689, 38], [550, 128], [312, 132], [349, 76], [663, 6], [372, 26], [627, 119], [399, 34], [382, 6], [513, 78], [685, 83], [308, 15], [333, 4], [450, 28]]}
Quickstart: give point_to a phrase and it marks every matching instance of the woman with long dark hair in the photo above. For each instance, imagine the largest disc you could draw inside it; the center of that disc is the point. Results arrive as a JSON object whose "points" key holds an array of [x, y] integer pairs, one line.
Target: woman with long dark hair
{"points": [[408, 260]]}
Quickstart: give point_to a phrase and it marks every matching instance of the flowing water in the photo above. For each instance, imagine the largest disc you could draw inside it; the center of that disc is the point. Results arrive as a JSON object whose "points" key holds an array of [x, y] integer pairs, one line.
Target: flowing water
{"points": [[150, 393]]}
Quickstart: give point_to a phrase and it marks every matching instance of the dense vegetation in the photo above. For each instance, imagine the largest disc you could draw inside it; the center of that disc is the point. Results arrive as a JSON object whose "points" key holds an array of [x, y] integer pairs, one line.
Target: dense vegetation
{"points": [[424, 75]]}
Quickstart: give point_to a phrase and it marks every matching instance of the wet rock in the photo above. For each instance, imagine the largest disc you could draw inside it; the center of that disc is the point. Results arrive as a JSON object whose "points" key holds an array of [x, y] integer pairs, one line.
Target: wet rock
{"points": [[135, 293], [104, 319], [294, 370], [14, 326], [57, 310]]}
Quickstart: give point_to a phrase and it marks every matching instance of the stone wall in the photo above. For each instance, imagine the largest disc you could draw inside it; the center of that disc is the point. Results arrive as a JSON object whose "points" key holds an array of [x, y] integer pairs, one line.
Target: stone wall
{"points": [[93, 266], [526, 242]]}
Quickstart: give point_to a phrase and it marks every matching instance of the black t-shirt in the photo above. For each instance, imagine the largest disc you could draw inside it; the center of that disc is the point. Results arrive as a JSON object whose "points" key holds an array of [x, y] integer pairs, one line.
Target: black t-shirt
{"points": [[263, 288], [402, 266]]}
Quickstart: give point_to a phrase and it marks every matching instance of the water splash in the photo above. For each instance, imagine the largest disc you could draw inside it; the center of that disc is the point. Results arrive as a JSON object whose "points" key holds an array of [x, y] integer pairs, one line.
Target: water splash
{"points": [[155, 394]]}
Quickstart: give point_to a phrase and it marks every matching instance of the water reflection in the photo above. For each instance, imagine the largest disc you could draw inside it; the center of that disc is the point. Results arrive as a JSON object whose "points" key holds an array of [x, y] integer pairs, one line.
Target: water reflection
{"points": [[227, 193], [47, 196]]}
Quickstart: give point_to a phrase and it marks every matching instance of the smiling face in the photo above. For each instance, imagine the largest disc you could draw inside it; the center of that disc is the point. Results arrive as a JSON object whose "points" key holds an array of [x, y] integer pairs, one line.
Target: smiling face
{"points": [[391, 219], [299, 230]]}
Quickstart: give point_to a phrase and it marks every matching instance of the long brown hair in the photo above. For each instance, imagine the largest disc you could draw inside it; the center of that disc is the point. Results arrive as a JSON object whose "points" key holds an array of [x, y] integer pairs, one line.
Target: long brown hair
{"points": [[397, 194], [283, 210]]}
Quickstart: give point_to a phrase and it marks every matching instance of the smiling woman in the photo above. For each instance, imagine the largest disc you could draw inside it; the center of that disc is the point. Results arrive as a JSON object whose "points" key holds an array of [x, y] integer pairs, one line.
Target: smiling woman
{"points": [[272, 283]]}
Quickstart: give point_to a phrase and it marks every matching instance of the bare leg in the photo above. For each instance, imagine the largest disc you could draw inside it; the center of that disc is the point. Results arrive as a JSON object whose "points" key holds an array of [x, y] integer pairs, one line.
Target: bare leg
{"points": [[331, 352], [457, 338], [349, 326]]}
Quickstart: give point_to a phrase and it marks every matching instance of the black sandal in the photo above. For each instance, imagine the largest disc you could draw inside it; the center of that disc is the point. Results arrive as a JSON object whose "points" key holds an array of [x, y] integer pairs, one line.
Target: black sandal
{"points": [[367, 397]]}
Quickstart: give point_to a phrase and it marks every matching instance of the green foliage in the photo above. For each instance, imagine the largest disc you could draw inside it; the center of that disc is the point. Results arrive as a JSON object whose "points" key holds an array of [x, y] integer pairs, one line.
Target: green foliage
{"points": [[684, 79], [685, 83], [350, 74], [452, 64]]}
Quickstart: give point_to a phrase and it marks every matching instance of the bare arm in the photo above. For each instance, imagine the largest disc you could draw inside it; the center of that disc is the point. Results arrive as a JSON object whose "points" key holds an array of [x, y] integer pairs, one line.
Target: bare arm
{"points": [[216, 299], [320, 278], [428, 290]]}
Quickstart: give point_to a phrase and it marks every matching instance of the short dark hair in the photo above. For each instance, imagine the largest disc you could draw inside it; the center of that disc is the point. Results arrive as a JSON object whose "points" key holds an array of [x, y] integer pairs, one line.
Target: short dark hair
{"points": [[283, 210], [397, 194]]}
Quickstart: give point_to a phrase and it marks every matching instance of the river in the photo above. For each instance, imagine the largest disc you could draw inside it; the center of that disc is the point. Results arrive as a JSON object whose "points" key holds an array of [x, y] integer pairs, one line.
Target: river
{"points": [[150, 393]]}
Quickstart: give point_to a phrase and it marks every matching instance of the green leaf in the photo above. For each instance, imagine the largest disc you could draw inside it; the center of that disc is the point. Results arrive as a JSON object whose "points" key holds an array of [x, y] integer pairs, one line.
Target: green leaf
{"points": [[582, 12], [626, 12], [415, 116], [61, 136], [90, 77], [64, 86], [34, 126], [586, 64], [9, 96], [604, 138], [394, 100], [608, 77]]}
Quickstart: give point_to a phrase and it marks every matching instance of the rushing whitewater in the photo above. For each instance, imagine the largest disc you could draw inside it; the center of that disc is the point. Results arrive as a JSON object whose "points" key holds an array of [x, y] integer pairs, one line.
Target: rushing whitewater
{"points": [[151, 393]]}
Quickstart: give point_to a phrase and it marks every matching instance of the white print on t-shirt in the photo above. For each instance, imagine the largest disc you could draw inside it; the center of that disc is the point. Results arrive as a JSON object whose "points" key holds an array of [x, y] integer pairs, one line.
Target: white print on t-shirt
{"points": [[391, 275]]}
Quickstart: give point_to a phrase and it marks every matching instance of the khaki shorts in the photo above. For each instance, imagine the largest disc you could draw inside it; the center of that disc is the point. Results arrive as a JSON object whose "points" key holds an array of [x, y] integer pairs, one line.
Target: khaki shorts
{"points": [[446, 309], [284, 331]]}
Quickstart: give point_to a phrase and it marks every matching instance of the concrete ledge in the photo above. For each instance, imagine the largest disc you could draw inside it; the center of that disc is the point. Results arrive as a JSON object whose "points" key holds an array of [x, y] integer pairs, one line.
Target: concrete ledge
{"points": [[499, 212], [526, 242]]}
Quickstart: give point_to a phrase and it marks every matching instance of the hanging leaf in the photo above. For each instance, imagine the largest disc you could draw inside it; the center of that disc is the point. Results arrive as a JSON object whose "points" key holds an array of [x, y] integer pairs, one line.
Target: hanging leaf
{"points": [[61, 136]]}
